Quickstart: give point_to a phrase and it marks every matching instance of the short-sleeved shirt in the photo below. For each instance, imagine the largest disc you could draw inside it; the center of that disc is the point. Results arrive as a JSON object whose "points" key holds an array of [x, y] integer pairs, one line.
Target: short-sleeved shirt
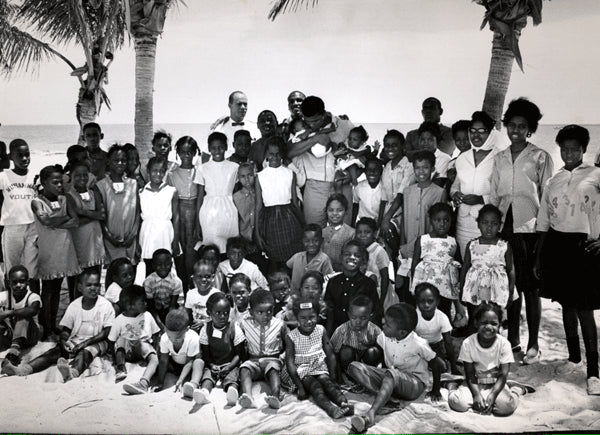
{"points": [[29, 299], [263, 341], [161, 289], [442, 160], [345, 335], [368, 199], [395, 180], [182, 180], [221, 342], [378, 259], [410, 355], [432, 330], [86, 324], [341, 289], [248, 268], [139, 328], [190, 347], [299, 265], [486, 360], [197, 303], [113, 292], [18, 191]]}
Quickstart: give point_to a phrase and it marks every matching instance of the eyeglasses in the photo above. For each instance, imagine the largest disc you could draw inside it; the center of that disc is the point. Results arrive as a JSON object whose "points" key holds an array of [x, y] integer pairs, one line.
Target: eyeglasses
{"points": [[478, 130]]}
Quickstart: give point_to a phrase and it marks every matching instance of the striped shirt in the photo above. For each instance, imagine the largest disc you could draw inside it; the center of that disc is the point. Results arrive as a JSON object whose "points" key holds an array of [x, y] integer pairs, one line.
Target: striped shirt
{"points": [[344, 335], [263, 341]]}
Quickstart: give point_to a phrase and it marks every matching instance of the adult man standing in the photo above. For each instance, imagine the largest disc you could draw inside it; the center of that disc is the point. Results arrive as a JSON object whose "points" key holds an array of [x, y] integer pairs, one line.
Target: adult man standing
{"points": [[295, 100], [431, 111], [315, 156], [238, 107]]}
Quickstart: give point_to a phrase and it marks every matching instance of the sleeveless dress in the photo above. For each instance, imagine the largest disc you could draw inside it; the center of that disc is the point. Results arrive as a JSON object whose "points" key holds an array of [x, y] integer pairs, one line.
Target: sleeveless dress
{"points": [[437, 266], [87, 238], [309, 356], [57, 256], [156, 231], [218, 215], [486, 280]]}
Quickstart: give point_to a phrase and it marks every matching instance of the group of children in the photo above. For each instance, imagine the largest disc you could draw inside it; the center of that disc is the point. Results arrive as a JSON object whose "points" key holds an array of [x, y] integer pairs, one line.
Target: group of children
{"points": [[316, 317]]}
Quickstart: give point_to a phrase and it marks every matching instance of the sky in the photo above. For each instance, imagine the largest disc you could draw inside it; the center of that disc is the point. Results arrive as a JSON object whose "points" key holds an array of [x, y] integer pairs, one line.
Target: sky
{"points": [[374, 60]]}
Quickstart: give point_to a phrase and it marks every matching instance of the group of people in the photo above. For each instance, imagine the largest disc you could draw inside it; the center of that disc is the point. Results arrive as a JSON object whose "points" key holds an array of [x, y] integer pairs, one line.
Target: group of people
{"points": [[307, 257]]}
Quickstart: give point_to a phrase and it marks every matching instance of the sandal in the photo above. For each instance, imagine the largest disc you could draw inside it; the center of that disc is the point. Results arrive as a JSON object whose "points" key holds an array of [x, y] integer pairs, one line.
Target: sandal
{"points": [[359, 424], [529, 359]]}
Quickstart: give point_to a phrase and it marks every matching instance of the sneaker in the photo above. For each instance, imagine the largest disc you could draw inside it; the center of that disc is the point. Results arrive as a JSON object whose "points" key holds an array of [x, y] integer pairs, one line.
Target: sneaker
{"points": [[120, 373], [569, 367], [201, 396], [136, 388], [232, 396], [593, 386]]}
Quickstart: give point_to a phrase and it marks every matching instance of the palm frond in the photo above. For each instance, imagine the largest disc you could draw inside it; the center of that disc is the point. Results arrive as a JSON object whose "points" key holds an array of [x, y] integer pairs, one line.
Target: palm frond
{"points": [[282, 6]]}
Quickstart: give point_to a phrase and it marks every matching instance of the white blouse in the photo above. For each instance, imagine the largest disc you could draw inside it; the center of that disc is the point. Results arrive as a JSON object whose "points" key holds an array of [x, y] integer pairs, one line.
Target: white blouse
{"points": [[276, 185]]}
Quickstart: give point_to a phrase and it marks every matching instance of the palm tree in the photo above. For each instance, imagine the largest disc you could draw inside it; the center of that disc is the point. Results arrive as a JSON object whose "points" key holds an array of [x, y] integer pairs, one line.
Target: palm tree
{"points": [[145, 19], [30, 28], [506, 18]]}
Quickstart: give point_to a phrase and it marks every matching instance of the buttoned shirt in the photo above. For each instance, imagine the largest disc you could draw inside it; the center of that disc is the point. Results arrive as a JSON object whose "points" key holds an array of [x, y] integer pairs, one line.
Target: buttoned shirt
{"points": [[244, 201], [395, 179], [368, 199], [161, 289], [263, 341], [228, 128], [345, 335], [300, 265], [341, 289]]}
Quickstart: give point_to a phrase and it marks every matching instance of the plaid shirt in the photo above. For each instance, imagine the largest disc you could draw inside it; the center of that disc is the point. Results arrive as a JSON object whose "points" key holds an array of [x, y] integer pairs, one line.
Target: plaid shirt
{"points": [[161, 289], [344, 335]]}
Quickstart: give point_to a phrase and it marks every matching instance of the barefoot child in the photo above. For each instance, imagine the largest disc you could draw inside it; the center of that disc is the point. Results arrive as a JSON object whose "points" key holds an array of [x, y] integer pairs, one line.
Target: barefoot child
{"points": [[163, 287], [337, 232], [310, 361], [487, 357], [406, 357], [131, 336], [311, 259], [240, 294], [85, 327], [222, 347], [265, 338], [179, 353], [197, 296]]}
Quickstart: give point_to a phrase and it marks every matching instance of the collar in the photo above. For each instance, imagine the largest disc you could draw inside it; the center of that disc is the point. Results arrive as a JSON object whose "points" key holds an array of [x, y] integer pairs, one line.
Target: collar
{"points": [[161, 187], [335, 227], [583, 165]]}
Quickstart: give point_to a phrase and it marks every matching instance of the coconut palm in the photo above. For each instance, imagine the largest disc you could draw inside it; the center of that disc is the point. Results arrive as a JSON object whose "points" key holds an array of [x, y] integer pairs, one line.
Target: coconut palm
{"points": [[506, 18], [31, 31]]}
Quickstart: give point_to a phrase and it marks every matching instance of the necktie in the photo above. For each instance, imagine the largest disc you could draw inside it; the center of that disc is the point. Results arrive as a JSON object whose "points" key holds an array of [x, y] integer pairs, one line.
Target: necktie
{"points": [[235, 124]]}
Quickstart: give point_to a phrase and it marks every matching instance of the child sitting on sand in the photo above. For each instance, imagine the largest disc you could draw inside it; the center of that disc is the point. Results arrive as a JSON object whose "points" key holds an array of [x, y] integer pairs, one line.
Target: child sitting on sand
{"points": [[280, 285], [132, 335], [196, 297], [123, 273], [237, 263], [240, 295], [179, 353], [163, 287]]}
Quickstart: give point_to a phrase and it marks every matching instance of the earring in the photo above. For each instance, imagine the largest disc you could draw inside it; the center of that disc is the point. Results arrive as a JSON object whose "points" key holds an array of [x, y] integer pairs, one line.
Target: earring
{"points": [[528, 134]]}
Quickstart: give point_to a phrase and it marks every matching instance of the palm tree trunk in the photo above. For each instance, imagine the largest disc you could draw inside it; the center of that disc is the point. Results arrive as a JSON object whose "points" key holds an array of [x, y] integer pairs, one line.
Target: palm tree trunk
{"points": [[145, 58], [86, 111], [498, 77]]}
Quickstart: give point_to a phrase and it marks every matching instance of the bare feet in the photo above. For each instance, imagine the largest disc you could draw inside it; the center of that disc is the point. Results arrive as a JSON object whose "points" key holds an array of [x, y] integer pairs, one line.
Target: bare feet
{"points": [[247, 401], [273, 402]]}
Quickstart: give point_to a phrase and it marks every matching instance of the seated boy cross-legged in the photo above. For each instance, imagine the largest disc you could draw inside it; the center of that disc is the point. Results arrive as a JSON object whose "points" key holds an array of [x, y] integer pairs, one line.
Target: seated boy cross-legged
{"points": [[265, 337]]}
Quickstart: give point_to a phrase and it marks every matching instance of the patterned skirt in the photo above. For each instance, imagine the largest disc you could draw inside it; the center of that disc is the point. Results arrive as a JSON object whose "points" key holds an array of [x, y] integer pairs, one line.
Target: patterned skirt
{"points": [[281, 229]]}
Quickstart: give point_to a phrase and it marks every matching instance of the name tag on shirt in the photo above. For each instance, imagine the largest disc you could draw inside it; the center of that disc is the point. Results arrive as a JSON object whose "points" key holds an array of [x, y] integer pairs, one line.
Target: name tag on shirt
{"points": [[217, 334], [54, 205], [85, 196], [119, 187]]}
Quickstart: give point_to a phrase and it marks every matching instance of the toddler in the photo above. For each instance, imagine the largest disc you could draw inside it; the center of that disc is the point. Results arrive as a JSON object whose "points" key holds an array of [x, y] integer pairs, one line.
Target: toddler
{"points": [[312, 258], [337, 232], [351, 159], [197, 296], [237, 263], [163, 287], [240, 293]]}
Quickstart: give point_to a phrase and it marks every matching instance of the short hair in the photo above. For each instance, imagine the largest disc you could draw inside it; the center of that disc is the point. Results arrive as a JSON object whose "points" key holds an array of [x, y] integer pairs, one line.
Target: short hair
{"points": [[484, 118], [421, 287], [295, 92], [278, 272], [115, 265], [435, 100], [79, 164], [241, 133], [261, 296], [362, 301], [525, 108], [89, 271], [277, 141], [214, 299], [312, 106], [161, 134], [157, 160], [374, 161], [337, 197], [207, 248], [574, 132], [395, 133], [232, 96], [316, 228], [265, 112], [462, 125], [439, 207], [360, 130], [484, 308], [428, 156], [236, 243], [431, 127], [18, 268], [306, 303], [160, 252], [187, 140], [47, 171], [204, 262], [403, 314], [131, 294], [315, 274], [358, 244], [241, 278], [73, 150], [370, 222], [489, 208], [217, 136], [247, 165], [16, 143], [90, 125], [114, 149], [177, 320]]}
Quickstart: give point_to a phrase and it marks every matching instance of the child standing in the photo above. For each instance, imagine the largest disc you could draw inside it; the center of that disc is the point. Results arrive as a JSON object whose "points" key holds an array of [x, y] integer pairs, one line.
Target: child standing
{"points": [[487, 357], [160, 214], [134, 168], [279, 228], [92, 134], [53, 220], [132, 334], [122, 274], [488, 273], [310, 361], [161, 146], [337, 232], [265, 337], [429, 137], [367, 194], [216, 179], [379, 261], [240, 293], [163, 287], [406, 357], [222, 347], [179, 353], [436, 259], [187, 193], [312, 258], [196, 297], [121, 203], [241, 145], [236, 263]]}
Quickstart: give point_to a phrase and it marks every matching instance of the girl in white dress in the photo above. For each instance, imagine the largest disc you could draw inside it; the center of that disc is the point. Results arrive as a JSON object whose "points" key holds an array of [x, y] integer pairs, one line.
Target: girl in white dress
{"points": [[216, 179]]}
